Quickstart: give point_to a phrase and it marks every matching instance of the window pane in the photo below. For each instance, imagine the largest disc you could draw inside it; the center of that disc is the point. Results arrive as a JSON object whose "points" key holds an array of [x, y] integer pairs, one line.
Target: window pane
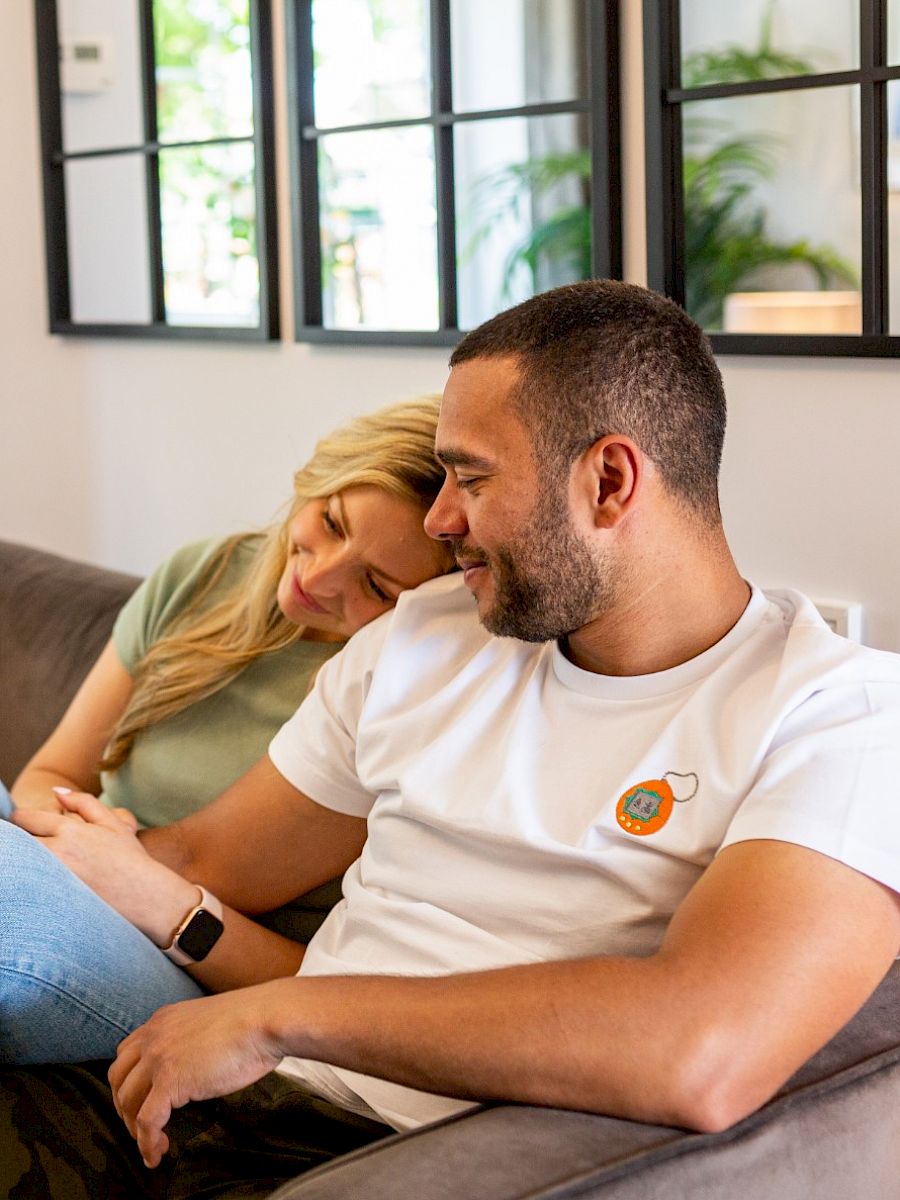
{"points": [[209, 236], [371, 60], [523, 210], [100, 74], [378, 230], [204, 81], [772, 205], [544, 55], [894, 205], [756, 39], [106, 205], [893, 32]]}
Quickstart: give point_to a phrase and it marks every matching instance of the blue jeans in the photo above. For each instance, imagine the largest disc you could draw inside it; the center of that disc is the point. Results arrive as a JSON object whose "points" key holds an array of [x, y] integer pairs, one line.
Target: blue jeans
{"points": [[6, 802], [75, 977]]}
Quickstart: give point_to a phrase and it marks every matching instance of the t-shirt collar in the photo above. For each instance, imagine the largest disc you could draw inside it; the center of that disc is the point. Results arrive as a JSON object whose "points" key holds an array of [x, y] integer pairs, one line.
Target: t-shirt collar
{"points": [[660, 683]]}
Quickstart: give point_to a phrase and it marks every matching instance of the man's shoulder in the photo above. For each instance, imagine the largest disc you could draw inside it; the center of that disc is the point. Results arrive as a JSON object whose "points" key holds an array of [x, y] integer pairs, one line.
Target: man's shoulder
{"points": [[812, 647]]}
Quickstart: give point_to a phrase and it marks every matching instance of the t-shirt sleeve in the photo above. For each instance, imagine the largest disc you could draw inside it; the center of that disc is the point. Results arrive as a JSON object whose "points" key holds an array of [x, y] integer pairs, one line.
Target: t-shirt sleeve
{"points": [[830, 781], [315, 750], [158, 600]]}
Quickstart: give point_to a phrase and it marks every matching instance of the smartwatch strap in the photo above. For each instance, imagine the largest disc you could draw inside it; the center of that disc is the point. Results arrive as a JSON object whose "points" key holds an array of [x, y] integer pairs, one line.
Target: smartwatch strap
{"points": [[211, 905]]}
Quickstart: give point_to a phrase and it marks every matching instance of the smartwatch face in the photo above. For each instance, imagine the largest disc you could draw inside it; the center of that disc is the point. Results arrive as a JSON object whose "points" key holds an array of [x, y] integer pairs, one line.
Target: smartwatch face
{"points": [[201, 934]]}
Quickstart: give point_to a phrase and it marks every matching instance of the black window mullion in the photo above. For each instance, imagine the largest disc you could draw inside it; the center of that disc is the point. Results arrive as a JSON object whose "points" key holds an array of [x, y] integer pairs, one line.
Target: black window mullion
{"points": [[665, 222], [151, 134], [873, 169], [445, 195], [264, 166], [606, 175], [55, 223], [307, 245]]}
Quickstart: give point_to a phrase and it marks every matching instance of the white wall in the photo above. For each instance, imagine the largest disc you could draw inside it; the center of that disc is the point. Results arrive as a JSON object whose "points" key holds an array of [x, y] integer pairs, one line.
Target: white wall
{"points": [[117, 451]]}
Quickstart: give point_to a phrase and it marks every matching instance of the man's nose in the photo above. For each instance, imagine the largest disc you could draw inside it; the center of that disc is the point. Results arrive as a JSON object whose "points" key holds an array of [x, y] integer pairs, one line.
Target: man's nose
{"points": [[445, 518]]}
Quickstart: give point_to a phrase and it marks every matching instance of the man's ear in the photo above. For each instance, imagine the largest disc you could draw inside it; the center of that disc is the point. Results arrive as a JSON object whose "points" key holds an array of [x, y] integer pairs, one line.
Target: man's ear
{"points": [[611, 471]]}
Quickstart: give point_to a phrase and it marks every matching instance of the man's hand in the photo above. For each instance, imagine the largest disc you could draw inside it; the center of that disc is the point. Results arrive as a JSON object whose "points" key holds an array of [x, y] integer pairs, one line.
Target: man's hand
{"points": [[196, 1050]]}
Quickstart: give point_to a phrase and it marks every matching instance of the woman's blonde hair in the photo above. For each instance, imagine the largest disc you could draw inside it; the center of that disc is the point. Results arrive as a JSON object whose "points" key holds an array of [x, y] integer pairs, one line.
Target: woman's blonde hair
{"points": [[205, 648]]}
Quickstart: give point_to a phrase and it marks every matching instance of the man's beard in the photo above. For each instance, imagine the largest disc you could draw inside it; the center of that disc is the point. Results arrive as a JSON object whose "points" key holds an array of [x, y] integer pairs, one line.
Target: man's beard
{"points": [[546, 582]]}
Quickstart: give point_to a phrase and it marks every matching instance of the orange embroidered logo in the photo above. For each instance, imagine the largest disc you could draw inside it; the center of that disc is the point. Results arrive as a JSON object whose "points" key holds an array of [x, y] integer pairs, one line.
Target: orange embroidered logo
{"points": [[646, 808]]}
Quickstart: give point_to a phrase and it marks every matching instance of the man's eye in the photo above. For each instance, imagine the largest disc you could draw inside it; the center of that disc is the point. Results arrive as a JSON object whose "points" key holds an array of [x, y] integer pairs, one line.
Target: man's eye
{"points": [[378, 591], [467, 482]]}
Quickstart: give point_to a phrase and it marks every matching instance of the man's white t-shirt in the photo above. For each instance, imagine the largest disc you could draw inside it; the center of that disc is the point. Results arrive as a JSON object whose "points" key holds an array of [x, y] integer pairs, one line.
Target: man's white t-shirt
{"points": [[521, 809]]}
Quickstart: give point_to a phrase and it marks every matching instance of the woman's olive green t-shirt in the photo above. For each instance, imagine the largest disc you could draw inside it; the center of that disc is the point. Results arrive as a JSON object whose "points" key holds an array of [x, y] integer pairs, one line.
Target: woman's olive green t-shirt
{"points": [[180, 764]]}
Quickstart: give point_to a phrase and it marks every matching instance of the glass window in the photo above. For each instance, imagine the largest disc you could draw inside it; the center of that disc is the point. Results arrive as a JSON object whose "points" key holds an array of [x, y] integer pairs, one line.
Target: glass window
{"points": [[766, 186], [108, 252], [209, 235], [204, 74], [100, 74], [153, 126], [772, 213], [756, 39], [379, 240], [371, 60], [523, 203], [423, 203], [545, 57]]}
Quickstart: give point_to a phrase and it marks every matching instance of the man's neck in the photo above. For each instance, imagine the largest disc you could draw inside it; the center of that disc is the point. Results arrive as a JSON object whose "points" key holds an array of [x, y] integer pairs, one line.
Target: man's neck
{"points": [[664, 620]]}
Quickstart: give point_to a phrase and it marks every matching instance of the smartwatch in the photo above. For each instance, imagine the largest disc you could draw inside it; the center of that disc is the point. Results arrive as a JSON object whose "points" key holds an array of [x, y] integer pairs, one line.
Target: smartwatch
{"points": [[198, 932]]}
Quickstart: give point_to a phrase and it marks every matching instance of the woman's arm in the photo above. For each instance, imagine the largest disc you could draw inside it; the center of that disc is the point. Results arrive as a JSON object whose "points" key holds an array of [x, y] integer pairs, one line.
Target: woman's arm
{"points": [[70, 755], [102, 850]]}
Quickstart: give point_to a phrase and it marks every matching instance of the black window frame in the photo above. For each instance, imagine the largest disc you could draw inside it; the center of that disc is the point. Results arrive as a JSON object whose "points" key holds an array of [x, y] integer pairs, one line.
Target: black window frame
{"points": [[54, 158], [602, 105], [664, 98]]}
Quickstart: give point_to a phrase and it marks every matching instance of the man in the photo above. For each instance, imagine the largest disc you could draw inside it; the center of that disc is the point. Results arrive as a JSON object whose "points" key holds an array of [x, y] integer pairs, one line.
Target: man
{"points": [[623, 830]]}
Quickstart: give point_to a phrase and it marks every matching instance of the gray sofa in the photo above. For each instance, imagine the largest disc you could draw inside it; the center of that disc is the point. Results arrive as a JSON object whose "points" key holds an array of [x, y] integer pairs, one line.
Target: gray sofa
{"points": [[55, 617], [833, 1132]]}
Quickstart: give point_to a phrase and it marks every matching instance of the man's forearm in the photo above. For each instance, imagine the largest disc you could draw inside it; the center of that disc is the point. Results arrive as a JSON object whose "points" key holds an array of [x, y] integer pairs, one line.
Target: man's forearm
{"points": [[600, 1035], [260, 844], [167, 846], [699, 1034]]}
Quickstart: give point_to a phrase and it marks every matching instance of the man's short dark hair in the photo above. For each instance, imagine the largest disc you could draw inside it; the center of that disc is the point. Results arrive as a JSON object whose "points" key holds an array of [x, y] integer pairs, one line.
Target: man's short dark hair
{"points": [[603, 357]]}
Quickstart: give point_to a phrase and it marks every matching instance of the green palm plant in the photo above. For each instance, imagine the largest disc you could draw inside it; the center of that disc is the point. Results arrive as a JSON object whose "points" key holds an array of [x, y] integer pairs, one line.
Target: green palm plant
{"points": [[562, 240], [726, 241]]}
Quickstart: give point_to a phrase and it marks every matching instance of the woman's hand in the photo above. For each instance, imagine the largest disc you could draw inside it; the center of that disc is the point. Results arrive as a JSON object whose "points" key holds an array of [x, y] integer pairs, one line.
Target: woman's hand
{"points": [[100, 846], [196, 1050]]}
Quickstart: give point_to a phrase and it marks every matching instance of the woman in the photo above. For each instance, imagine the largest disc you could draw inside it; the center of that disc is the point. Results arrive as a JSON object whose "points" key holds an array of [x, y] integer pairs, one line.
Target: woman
{"points": [[209, 657], [217, 649]]}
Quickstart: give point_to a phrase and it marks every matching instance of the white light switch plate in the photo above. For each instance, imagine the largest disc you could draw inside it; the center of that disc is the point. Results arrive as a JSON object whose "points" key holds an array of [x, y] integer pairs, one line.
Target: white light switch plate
{"points": [[844, 617]]}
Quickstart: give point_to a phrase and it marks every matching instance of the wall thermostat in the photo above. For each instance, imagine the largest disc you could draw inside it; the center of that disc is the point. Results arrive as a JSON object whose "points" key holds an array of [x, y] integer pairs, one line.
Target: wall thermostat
{"points": [[85, 64]]}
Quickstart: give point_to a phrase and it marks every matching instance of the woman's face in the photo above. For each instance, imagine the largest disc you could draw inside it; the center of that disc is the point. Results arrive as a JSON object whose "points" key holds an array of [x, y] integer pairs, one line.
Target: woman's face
{"points": [[350, 556]]}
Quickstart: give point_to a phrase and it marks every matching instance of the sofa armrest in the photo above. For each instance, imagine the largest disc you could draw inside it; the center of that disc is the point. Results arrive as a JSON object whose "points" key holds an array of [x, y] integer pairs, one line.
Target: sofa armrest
{"points": [[831, 1132], [55, 617]]}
